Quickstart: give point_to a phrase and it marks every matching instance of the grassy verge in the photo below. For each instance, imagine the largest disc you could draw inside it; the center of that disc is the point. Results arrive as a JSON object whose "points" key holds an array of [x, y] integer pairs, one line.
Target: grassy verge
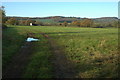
{"points": [[11, 43]]}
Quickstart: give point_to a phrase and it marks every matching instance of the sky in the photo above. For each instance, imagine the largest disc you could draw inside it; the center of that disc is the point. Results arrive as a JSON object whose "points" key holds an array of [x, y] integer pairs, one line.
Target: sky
{"points": [[67, 9], [59, 0]]}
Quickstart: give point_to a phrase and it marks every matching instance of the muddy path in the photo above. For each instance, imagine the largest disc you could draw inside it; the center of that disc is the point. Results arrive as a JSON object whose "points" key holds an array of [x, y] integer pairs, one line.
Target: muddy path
{"points": [[16, 66], [63, 68]]}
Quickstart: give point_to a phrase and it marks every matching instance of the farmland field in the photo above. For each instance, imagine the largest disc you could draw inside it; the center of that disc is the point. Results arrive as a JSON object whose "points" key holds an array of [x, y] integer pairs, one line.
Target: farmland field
{"points": [[92, 51]]}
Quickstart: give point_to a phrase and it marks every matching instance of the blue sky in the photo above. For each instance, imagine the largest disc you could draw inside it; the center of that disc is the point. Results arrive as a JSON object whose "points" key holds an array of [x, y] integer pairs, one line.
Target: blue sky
{"points": [[59, 0], [76, 9]]}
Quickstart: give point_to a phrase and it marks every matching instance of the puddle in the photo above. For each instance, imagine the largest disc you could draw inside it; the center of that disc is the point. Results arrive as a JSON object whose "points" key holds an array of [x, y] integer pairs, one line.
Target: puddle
{"points": [[29, 39]]}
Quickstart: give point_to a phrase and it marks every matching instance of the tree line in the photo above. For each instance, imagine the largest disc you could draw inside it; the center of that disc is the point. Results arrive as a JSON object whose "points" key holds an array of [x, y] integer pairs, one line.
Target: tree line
{"points": [[14, 21], [86, 22], [79, 23], [2, 17]]}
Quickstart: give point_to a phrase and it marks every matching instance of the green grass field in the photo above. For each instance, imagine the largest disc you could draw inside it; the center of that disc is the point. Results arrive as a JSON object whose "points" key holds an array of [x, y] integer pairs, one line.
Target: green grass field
{"points": [[94, 51]]}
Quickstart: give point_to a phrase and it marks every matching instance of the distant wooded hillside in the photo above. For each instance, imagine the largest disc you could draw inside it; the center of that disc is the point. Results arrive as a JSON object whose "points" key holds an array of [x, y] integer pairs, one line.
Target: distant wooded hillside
{"points": [[61, 20]]}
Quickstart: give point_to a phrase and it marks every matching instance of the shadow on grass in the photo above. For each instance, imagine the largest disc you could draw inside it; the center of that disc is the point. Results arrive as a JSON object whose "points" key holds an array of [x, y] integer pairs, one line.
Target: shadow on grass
{"points": [[69, 32], [11, 43]]}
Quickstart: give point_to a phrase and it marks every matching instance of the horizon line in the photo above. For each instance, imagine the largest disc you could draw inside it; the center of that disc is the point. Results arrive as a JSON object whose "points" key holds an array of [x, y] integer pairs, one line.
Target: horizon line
{"points": [[60, 16]]}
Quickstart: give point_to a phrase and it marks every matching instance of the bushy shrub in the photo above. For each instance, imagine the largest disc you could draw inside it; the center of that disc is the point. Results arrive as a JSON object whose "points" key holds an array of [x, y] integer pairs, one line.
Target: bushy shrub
{"points": [[4, 26]]}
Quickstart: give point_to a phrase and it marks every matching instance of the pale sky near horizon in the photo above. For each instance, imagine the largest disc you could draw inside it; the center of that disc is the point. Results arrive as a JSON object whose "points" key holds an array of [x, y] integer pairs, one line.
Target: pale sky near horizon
{"points": [[60, 0], [68, 9]]}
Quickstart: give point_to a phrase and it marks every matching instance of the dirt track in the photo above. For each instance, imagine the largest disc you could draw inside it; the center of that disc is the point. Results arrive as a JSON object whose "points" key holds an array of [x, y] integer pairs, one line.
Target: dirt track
{"points": [[63, 68], [18, 62]]}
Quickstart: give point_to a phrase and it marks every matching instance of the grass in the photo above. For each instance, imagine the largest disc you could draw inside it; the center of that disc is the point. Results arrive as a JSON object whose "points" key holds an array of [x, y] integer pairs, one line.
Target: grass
{"points": [[12, 42], [40, 65], [95, 53], [93, 50]]}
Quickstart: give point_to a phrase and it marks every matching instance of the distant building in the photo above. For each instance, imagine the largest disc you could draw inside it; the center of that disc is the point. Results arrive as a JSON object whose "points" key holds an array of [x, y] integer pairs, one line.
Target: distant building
{"points": [[31, 24]]}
